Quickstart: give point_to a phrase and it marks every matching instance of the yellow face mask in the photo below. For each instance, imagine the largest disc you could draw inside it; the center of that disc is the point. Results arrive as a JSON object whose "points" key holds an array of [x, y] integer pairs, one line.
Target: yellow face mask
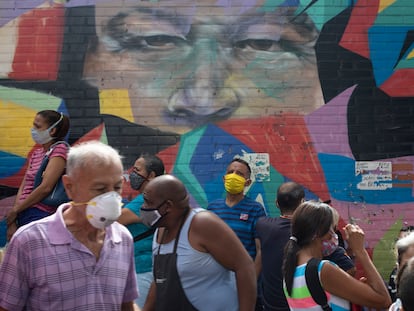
{"points": [[233, 183]]}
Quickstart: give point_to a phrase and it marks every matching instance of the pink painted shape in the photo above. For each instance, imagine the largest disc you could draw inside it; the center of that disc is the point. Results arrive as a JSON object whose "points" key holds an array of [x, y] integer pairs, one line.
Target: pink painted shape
{"points": [[328, 126], [375, 219]]}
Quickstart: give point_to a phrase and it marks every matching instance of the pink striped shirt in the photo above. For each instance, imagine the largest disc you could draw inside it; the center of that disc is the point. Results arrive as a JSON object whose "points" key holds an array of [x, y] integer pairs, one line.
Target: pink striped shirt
{"points": [[35, 161]]}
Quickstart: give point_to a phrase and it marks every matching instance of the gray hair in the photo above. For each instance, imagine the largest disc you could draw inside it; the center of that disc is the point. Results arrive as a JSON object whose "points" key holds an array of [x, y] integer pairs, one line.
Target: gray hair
{"points": [[91, 153]]}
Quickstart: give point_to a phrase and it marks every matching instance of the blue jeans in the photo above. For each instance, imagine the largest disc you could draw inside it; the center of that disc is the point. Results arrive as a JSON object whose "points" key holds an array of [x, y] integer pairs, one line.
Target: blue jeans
{"points": [[144, 281], [30, 214], [3, 232]]}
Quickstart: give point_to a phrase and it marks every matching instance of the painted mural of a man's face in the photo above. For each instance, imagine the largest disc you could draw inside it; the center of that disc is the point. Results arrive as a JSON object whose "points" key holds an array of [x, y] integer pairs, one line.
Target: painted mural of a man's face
{"points": [[186, 63]]}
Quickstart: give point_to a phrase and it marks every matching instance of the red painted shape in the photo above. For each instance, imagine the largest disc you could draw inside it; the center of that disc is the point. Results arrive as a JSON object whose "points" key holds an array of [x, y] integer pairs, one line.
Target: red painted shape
{"points": [[287, 141], [39, 44], [400, 83], [355, 37], [168, 157], [94, 134]]}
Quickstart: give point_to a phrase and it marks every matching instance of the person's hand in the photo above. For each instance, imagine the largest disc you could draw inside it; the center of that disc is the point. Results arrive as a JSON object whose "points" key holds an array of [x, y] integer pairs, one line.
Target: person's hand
{"points": [[355, 236], [11, 229], [11, 216]]}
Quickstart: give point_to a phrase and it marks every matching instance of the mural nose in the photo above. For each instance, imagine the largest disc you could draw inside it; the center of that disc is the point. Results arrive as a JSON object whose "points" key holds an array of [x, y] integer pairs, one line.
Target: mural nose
{"points": [[203, 102], [205, 97]]}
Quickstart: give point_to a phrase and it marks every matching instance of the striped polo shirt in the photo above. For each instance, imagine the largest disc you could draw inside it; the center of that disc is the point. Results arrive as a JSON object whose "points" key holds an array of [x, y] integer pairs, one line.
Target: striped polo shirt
{"points": [[47, 268], [242, 218]]}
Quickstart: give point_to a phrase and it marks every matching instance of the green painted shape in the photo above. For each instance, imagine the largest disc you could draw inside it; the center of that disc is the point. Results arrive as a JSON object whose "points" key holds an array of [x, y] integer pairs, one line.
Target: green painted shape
{"points": [[383, 255], [270, 5], [320, 12], [270, 189], [30, 99], [188, 143], [323, 10], [104, 138], [392, 15], [405, 64]]}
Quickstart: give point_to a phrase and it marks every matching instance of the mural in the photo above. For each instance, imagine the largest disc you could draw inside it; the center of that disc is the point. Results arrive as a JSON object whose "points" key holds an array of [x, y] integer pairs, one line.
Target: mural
{"points": [[306, 90]]}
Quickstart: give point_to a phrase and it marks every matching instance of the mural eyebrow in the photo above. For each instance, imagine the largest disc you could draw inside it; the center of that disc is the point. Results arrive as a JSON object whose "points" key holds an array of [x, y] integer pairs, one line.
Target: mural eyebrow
{"points": [[182, 23], [119, 33]]}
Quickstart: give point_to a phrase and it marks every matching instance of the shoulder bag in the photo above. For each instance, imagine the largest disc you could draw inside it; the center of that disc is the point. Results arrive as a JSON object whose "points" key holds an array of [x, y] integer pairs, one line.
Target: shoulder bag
{"points": [[58, 194]]}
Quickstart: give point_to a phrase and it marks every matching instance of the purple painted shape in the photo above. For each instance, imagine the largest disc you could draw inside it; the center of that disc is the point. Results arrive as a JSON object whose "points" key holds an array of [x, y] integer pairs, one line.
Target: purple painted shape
{"points": [[9, 10], [75, 3], [328, 126]]}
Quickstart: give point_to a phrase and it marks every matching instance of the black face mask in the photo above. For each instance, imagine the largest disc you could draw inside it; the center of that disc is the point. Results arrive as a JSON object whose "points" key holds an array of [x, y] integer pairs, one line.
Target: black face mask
{"points": [[136, 180]]}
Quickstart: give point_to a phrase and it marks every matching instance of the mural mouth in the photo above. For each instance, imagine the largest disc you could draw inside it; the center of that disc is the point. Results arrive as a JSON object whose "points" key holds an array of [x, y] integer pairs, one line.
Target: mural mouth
{"points": [[182, 116]]}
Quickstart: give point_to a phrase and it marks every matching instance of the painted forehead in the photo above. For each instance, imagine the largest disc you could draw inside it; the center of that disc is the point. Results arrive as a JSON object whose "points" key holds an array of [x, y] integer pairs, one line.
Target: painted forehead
{"points": [[171, 4], [228, 11]]}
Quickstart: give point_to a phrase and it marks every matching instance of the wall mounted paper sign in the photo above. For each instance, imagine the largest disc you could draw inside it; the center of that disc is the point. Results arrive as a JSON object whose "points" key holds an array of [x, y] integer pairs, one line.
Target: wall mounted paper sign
{"points": [[259, 163], [374, 175]]}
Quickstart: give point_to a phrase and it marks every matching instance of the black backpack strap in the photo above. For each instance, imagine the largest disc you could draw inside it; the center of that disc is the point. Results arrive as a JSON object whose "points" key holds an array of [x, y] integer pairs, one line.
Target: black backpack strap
{"points": [[314, 285], [144, 234]]}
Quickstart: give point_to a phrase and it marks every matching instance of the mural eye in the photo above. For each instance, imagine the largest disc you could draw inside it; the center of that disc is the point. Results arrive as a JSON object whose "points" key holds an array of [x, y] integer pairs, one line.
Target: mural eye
{"points": [[154, 42], [163, 40], [259, 44]]}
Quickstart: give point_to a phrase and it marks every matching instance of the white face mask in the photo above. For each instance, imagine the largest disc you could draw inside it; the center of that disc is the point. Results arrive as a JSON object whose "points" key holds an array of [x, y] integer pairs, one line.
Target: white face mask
{"points": [[103, 209], [43, 137]]}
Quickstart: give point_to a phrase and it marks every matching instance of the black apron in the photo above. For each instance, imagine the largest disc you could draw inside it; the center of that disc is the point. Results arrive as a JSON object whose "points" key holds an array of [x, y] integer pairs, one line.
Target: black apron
{"points": [[170, 295]]}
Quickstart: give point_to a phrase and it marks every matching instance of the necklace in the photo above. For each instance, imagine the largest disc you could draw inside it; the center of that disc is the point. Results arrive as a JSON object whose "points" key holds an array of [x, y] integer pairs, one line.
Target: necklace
{"points": [[286, 216]]}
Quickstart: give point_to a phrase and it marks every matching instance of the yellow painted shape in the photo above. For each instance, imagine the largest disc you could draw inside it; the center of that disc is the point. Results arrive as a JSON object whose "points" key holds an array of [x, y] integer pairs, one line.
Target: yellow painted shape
{"points": [[116, 102], [384, 4], [15, 125]]}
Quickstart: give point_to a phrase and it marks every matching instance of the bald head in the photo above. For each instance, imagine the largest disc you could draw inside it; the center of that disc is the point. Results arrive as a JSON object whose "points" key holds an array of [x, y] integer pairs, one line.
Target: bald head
{"points": [[168, 187], [289, 196]]}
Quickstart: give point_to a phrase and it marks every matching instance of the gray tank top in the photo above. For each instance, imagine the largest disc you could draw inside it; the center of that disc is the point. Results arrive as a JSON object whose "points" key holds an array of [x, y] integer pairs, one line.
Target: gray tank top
{"points": [[208, 285]]}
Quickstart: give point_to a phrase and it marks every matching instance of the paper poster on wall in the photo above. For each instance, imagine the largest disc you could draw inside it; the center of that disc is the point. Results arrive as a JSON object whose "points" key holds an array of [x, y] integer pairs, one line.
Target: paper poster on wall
{"points": [[374, 175], [260, 165]]}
